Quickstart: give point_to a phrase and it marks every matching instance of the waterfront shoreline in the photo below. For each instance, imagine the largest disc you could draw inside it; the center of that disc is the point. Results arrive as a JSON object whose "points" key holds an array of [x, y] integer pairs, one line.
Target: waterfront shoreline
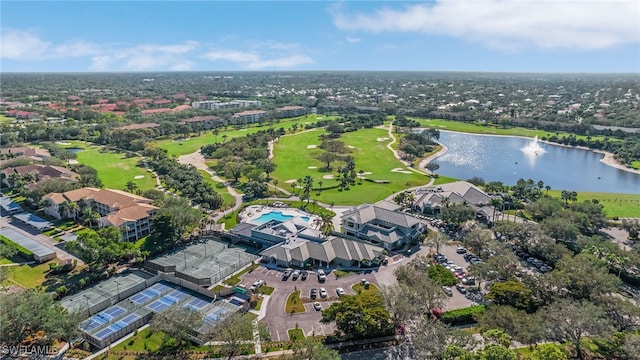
{"points": [[608, 157]]}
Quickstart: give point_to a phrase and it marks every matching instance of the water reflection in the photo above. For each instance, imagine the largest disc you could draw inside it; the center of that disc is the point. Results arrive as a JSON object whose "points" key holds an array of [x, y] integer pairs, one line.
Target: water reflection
{"points": [[502, 158]]}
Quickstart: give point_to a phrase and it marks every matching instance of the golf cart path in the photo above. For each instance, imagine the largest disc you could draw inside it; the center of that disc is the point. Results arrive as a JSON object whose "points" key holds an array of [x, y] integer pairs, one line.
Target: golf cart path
{"points": [[197, 160]]}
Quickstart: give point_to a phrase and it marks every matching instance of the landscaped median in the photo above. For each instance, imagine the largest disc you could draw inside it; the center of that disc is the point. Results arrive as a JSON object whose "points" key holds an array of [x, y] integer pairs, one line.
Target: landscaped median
{"points": [[294, 303]]}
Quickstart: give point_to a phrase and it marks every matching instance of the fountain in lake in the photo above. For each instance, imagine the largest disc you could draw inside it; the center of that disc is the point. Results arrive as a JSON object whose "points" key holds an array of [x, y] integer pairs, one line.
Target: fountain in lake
{"points": [[533, 148]]}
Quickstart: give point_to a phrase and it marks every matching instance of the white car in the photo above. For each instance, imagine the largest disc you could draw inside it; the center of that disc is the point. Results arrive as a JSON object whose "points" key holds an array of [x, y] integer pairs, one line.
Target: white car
{"points": [[317, 306], [323, 293], [340, 291], [447, 290]]}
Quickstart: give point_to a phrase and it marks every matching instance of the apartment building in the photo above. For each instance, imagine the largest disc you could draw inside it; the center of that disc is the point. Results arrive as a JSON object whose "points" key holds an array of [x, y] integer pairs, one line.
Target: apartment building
{"points": [[248, 116], [132, 214], [291, 111], [217, 104], [204, 122]]}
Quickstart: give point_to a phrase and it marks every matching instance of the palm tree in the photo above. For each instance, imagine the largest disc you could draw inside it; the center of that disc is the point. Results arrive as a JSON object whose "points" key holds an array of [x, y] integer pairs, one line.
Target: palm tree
{"points": [[325, 223], [216, 132], [307, 185], [320, 186], [495, 203], [224, 137], [73, 208], [63, 209], [89, 216]]}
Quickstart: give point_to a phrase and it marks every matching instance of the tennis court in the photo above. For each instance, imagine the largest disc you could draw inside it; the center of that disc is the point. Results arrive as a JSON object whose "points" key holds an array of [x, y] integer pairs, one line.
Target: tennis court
{"points": [[204, 262]]}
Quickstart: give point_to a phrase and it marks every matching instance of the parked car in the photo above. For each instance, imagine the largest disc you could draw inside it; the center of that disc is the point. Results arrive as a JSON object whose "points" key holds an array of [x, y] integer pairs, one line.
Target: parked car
{"points": [[545, 268], [340, 291], [295, 275], [469, 280], [256, 285], [287, 273], [313, 293], [468, 256], [304, 274], [461, 288], [322, 277], [317, 306], [323, 293], [447, 290], [461, 250]]}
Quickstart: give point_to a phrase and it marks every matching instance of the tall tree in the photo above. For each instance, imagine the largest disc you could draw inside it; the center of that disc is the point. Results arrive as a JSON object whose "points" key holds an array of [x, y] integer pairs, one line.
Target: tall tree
{"points": [[568, 320], [177, 322], [34, 315], [359, 316]]}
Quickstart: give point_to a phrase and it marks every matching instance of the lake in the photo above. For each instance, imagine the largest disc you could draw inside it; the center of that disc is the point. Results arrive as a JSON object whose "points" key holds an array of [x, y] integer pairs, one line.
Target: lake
{"points": [[501, 158]]}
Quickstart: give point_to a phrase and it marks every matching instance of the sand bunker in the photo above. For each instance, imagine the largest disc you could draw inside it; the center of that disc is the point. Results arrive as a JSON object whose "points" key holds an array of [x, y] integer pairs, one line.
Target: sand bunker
{"points": [[243, 129], [312, 146], [382, 139], [351, 147], [180, 140], [290, 181], [401, 170], [138, 176], [328, 177], [312, 167], [62, 143]]}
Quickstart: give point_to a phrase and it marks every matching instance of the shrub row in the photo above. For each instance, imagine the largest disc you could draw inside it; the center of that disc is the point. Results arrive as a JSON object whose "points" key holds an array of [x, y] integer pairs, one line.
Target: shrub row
{"points": [[463, 316]]}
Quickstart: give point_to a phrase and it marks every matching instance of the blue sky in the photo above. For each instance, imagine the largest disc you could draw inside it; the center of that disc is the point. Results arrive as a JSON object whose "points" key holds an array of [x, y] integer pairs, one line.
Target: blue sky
{"points": [[442, 35]]}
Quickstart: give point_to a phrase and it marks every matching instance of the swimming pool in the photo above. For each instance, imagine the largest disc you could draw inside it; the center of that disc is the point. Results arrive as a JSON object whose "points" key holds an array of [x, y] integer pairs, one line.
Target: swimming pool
{"points": [[275, 215]]}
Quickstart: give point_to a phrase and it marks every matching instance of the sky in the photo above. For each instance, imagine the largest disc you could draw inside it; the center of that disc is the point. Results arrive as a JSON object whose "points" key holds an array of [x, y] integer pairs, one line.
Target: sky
{"points": [[441, 35]]}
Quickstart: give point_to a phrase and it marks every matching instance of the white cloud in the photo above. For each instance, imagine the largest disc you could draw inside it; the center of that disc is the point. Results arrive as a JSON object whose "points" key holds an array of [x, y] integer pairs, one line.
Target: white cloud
{"points": [[22, 44], [352, 39], [254, 61], [509, 24], [27, 45]]}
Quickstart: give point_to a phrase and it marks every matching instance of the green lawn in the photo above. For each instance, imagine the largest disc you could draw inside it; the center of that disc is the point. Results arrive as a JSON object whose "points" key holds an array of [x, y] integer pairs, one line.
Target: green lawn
{"points": [[177, 148], [28, 276], [5, 119], [115, 169], [219, 188], [370, 156], [443, 180], [137, 342], [359, 289], [635, 164], [295, 334], [495, 129], [294, 303], [615, 205]]}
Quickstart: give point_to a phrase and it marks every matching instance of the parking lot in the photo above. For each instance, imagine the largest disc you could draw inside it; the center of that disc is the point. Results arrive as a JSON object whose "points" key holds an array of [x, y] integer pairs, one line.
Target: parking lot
{"points": [[276, 318], [458, 300]]}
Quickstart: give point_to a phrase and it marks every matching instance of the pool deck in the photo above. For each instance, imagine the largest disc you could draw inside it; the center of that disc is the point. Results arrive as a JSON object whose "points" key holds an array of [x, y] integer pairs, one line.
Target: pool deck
{"points": [[251, 213]]}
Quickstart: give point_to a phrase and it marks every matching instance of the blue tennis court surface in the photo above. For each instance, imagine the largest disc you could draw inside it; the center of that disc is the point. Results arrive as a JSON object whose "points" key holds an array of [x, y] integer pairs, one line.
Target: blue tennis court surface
{"points": [[113, 312], [104, 333], [197, 304], [216, 314], [140, 298], [93, 323], [160, 288]]}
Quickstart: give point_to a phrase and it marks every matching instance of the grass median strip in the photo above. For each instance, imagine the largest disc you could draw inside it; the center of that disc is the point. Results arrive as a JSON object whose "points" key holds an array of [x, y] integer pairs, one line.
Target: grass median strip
{"points": [[294, 303]]}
